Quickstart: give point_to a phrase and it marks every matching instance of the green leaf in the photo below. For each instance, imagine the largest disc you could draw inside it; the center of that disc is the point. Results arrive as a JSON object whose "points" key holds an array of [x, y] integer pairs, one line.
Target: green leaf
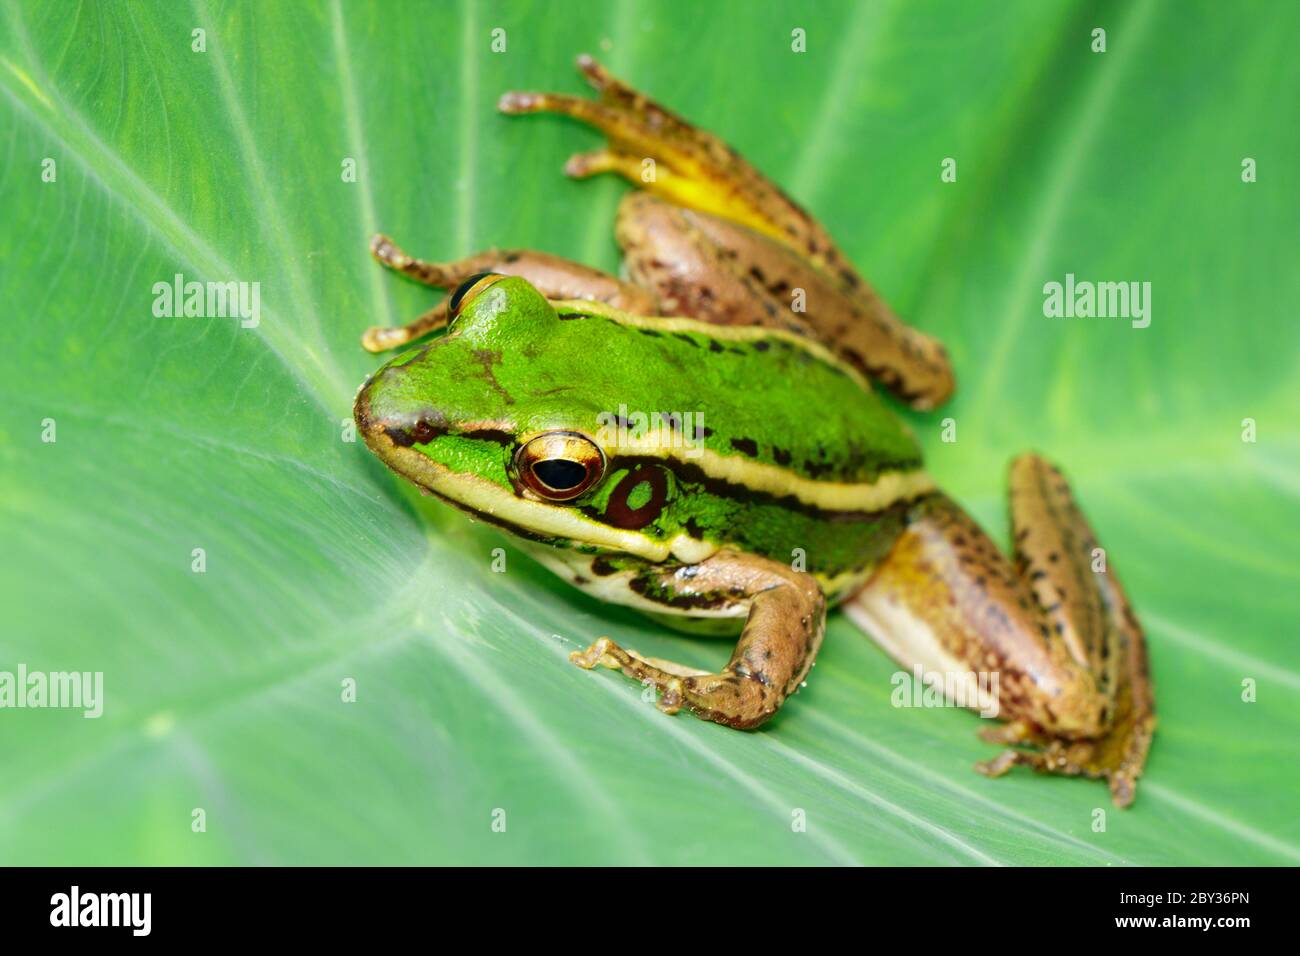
{"points": [[223, 689]]}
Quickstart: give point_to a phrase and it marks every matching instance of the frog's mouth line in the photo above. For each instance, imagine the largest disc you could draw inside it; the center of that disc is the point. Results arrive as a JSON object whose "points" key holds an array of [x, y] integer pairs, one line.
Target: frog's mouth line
{"points": [[535, 520]]}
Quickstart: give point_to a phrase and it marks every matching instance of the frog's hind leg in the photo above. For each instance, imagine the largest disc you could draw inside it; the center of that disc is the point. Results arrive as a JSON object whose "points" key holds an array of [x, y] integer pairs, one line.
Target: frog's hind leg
{"points": [[1054, 629], [660, 152], [719, 271], [554, 277], [780, 639], [1084, 604]]}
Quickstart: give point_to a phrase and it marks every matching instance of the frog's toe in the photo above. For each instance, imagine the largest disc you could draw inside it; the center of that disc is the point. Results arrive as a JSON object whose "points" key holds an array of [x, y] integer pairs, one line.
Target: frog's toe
{"points": [[999, 765], [602, 652], [593, 71], [582, 165], [514, 101], [671, 699]]}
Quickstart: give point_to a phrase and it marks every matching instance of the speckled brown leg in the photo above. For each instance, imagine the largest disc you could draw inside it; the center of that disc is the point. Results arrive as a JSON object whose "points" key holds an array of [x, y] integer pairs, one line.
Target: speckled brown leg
{"points": [[769, 244], [1068, 652], [776, 648], [706, 267], [554, 277]]}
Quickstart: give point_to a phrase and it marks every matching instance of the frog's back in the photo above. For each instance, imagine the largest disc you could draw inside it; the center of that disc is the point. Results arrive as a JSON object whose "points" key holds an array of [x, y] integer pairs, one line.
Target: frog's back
{"points": [[763, 396]]}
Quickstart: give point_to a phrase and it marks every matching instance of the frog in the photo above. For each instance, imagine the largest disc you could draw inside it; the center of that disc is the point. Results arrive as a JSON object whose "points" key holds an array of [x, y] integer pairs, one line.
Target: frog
{"points": [[685, 440]]}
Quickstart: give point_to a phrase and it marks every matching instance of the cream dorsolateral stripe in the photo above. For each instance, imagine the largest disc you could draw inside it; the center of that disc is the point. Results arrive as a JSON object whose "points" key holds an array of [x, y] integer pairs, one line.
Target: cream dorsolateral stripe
{"points": [[723, 333], [889, 487]]}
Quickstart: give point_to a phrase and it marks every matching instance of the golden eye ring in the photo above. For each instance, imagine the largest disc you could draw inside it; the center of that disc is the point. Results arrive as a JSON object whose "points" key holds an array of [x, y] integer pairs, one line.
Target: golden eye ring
{"points": [[469, 290], [559, 466]]}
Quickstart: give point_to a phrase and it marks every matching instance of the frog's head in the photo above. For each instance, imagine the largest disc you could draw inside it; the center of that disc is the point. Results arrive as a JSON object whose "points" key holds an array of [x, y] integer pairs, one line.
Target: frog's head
{"points": [[500, 416]]}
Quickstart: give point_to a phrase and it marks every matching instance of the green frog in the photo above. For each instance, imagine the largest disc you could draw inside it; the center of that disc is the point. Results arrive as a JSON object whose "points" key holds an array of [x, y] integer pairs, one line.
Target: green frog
{"points": [[701, 440]]}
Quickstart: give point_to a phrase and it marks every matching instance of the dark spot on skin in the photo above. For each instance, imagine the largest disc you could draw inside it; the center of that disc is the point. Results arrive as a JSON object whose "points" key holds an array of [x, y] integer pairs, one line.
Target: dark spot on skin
{"points": [[603, 567], [715, 345], [510, 257], [708, 432], [689, 340], [494, 435], [781, 456], [746, 446], [571, 315], [653, 333], [762, 346], [421, 433]]}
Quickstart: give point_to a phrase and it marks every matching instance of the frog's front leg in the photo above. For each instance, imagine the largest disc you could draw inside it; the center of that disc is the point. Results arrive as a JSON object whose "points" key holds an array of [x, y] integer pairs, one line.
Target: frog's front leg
{"points": [[1055, 628], [554, 277], [782, 633]]}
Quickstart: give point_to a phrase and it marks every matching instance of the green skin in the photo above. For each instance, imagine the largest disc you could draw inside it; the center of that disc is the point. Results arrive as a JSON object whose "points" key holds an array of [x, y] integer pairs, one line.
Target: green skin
{"points": [[738, 467], [510, 368]]}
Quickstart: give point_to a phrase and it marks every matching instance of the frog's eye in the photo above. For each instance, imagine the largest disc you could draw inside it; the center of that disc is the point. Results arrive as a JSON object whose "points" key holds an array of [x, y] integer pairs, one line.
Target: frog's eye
{"points": [[559, 466], [467, 290]]}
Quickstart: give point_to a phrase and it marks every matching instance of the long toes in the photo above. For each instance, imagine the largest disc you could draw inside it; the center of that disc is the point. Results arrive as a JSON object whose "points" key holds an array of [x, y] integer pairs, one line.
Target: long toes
{"points": [[593, 655]]}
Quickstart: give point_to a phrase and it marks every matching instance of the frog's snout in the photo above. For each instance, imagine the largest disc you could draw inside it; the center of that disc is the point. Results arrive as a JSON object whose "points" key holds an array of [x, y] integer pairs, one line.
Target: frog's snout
{"points": [[387, 418]]}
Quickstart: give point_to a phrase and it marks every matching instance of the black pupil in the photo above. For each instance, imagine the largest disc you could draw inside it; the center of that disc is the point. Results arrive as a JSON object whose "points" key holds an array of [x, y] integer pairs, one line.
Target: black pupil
{"points": [[464, 287], [560, 473]]}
